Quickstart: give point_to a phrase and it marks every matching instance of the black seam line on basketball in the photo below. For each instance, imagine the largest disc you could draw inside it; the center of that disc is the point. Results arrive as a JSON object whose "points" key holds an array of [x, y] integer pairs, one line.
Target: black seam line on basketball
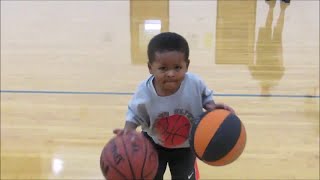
{"points": [[119, 172], [147, 174], [182, 127], [176, 134], [179, 135], [145, 157], [128, 159], [146, 144], [174, 127], [167, 131], [167, 125], [219, 139], [150, 173], [163, 129]]}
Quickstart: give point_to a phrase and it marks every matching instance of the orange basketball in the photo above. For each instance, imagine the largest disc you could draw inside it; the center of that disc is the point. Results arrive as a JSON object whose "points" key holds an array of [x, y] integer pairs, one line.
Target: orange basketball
{"points": [[129, 156], [218, 138]]}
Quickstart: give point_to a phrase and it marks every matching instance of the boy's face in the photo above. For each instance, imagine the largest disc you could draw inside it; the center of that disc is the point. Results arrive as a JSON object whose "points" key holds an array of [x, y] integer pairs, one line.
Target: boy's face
{"points": [[169, 69]]}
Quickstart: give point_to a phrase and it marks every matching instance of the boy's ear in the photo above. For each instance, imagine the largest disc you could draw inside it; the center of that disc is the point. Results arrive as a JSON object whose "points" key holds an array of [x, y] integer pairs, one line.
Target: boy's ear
{"points": [[188, 62], [149, 67]]}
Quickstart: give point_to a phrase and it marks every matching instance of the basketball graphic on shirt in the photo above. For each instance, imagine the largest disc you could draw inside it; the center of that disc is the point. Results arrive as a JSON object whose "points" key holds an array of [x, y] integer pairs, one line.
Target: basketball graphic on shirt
{"points": [[172, 130]]}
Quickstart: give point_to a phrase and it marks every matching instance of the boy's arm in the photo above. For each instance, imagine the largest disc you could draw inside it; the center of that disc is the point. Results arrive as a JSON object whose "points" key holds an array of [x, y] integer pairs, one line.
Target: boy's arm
{"points": [[129, 126], [207, 99]]}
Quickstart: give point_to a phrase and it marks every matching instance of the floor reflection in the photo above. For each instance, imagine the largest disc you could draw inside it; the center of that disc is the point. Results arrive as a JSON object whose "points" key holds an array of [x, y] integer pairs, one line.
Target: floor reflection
{"points": [[268, 66]]}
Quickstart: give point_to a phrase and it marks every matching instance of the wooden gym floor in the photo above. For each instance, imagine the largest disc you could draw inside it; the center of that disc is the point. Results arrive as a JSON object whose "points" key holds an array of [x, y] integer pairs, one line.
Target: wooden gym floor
{"points": [[68, 69]]}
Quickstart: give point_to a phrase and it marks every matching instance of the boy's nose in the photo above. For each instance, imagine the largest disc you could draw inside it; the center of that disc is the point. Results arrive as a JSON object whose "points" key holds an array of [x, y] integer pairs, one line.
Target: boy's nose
{"points": [[171, 73]]}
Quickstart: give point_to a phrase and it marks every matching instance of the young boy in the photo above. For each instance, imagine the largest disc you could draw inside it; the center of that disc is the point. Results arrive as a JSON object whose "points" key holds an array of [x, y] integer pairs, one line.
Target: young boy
{"points": [[169, 95]]}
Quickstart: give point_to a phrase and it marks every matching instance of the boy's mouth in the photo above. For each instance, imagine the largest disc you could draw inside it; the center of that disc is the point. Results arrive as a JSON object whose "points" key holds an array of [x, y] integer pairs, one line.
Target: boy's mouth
{"points": [[171, 81]]}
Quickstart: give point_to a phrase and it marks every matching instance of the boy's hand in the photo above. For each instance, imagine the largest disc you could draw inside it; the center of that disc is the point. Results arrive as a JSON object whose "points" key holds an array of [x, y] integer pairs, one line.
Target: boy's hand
{"points": [[223, 106], [128, 127], [211, 105], [119, 132]]}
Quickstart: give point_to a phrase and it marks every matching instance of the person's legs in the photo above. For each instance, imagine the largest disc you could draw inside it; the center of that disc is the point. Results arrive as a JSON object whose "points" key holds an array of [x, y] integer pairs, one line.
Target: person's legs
{"points": [[162, 158], [181, 164]]}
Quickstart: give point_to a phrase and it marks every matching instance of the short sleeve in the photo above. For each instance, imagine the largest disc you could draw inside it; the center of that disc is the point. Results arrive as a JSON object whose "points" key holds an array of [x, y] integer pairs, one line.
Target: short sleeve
{"points": [[137, 111], [137, 114], [206, 93], [132, 115]]}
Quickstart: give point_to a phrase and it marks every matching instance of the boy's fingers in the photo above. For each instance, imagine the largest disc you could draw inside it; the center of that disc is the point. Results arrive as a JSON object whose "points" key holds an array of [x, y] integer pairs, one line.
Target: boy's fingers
{"points": [[122, 131], [232, 110], [223, 106], [118, 131]]}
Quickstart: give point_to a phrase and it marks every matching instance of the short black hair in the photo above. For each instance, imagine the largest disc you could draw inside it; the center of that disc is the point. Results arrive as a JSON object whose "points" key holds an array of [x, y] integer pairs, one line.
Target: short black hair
{"points": [[168, 41]]}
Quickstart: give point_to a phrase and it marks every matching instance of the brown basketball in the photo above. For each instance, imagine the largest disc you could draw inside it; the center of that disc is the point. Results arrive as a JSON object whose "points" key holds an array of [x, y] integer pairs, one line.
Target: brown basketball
{"points": [[129, 156]]}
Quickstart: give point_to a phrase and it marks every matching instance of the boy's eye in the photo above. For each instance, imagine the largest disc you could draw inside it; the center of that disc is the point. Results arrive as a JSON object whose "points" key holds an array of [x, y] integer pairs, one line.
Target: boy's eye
{"points": [[178, 67], [162, 68]]}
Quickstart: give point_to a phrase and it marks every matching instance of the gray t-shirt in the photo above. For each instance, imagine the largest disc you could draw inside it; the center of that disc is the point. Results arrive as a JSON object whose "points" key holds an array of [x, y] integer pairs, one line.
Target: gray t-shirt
{"points": [[146, 109]]}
